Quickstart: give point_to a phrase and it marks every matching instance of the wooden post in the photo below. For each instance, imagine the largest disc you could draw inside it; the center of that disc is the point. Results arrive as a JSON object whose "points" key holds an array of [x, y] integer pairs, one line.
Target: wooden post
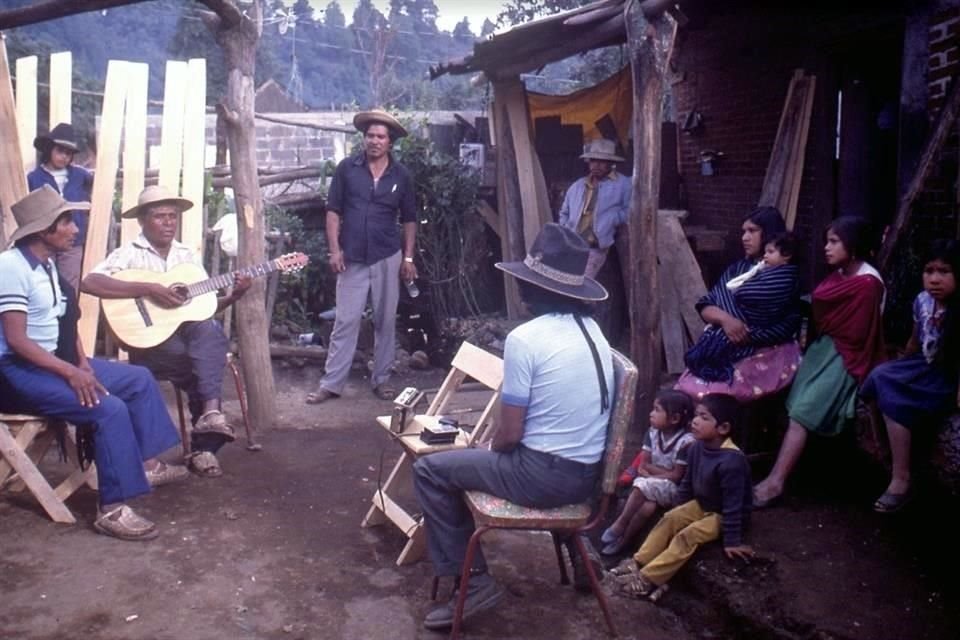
{"points": [[238, 35], [194, 148], [134, 146], [928, 160], [27, 109], [13, 181], [61, 88], [104, 186], [509, 201], [650, 43]]}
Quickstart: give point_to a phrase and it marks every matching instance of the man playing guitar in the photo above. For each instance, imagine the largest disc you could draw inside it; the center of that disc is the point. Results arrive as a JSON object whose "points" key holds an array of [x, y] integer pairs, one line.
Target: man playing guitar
{"points": [[194, 357]]}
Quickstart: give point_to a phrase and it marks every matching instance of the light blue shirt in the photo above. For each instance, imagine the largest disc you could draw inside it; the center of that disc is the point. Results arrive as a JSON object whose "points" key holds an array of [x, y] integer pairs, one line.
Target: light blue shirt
{"points": [[31, 286], [549, 370], [611, 210]]}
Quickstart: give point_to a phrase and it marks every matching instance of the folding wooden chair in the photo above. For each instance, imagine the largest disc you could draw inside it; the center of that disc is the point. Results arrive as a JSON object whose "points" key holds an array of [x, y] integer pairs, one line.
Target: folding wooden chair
{"points": [[24, 439], [491, 512], [470, 361]]}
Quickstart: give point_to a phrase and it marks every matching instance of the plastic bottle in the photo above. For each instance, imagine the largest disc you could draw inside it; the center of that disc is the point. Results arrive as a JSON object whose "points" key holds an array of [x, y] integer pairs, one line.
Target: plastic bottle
{"points": [[412, 289]]}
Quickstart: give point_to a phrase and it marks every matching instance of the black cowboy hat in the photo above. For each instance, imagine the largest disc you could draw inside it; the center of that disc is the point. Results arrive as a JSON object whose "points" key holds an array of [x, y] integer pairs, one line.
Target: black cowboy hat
{"points": [[557, 262], [61, 135]]}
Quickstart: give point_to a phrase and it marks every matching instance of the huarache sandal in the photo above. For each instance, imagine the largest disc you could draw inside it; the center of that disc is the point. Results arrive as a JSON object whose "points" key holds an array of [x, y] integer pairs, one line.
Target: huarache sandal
{"points": [[628, 567], [635, 585], [320, 396], [165, 473], [124, 523], [204, 463], [385, 392], [892, 502], [216, 423]]}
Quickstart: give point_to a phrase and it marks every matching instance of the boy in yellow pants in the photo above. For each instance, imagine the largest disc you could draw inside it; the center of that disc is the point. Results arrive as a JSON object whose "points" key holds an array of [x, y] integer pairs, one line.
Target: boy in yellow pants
{"points": [[715, 497]]}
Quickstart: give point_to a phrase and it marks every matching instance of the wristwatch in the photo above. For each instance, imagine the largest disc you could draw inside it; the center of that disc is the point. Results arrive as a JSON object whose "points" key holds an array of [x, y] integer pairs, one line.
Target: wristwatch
{"points": [[407, 259]]}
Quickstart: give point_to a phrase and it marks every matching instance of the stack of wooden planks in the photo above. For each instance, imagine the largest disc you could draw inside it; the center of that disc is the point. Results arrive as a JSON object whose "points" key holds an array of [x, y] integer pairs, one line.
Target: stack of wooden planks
{"points": [[781, 185], [681, 285]]}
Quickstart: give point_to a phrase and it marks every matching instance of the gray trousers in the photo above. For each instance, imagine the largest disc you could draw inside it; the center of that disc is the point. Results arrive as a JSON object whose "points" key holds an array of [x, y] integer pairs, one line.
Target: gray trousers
{"points": [[381, 281], [527, 477]]}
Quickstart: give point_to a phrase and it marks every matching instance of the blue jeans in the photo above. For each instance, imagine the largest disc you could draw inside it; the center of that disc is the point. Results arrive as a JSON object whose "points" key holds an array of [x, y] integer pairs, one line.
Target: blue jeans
{"points": [[525, 476], [130, 425]]}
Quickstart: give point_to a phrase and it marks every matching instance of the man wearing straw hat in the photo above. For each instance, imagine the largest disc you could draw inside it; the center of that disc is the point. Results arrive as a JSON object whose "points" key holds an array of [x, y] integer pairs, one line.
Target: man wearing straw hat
{"points": [[368, 251], [596, 205], [57, 149], [555, 407], [195, 356], [44, 371]]}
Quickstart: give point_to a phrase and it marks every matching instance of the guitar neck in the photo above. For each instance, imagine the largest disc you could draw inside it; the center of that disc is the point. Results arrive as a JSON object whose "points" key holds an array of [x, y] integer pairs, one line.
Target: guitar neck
{"points": [[225, 280]]}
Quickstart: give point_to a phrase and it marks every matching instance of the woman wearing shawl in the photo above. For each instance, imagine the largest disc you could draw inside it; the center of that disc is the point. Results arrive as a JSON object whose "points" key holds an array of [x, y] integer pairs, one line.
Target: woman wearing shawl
{"points": [[847, 309], [748, 349]]}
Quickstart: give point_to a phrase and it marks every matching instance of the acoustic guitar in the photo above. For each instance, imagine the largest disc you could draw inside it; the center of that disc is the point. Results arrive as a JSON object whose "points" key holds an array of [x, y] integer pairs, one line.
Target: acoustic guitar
{"points": [[140, 323]]}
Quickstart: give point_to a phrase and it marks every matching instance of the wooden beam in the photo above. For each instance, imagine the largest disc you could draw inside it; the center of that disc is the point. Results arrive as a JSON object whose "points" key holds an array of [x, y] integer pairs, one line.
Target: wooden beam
{"points": [[171, 123], [104, 181], [192, 222], [489, 215], [928, 160], [61, 88], [508, 199], [53, 9], [515, 103], [27, 109], [134, 146], [650, 43], [13, 181]]}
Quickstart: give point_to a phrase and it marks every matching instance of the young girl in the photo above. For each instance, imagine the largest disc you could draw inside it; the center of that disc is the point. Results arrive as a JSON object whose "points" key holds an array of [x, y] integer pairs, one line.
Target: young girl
{"points": [[920, 388], [847, 307], [656, 471]]}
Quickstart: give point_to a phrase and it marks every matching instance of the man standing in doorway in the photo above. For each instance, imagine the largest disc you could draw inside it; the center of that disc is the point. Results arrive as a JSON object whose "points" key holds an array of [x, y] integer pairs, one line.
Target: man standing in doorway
{"points": [[594, 207], [368, 252]]}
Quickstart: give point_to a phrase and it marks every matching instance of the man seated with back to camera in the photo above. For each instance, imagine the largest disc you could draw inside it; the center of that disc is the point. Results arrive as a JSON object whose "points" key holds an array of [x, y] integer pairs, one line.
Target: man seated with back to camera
{"points": [[550, 437]]}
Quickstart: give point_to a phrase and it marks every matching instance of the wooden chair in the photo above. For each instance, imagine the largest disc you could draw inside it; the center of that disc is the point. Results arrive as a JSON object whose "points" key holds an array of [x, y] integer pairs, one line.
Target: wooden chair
{"points": [[491, 512], [487, 370], [24, 439]]}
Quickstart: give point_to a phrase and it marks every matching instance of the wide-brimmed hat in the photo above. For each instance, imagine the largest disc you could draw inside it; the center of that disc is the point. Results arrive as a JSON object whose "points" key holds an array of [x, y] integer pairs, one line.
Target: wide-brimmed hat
{"points": [[601, 149], [155, 194], [379, 116], [557, 262], [61, 135], [39, 209]]}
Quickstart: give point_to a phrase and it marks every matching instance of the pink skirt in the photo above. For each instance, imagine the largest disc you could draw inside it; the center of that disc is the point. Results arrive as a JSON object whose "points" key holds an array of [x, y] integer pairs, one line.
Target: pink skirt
{"points": [[767, 371]]}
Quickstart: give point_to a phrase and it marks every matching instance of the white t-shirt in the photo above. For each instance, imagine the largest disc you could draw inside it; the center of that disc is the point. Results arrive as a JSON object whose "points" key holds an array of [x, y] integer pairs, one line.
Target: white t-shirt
{"points": [[548, 369]]}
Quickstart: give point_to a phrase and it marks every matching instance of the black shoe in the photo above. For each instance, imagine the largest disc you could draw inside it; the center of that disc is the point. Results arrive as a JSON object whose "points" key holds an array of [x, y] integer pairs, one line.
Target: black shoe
{"points": [[581, 580], [483, 593]]}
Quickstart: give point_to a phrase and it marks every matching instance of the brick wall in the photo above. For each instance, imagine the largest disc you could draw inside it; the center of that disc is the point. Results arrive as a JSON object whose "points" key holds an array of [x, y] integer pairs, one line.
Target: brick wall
{"points": [[736, 68]]}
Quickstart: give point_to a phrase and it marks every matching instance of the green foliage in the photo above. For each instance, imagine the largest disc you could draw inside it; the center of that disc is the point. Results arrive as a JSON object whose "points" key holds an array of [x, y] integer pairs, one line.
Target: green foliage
{"points": [[451, 238]]}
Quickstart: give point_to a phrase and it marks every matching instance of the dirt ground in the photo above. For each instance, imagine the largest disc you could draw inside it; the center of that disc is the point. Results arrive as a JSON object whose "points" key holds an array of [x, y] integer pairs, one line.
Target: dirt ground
{"points": [[274, 549]]}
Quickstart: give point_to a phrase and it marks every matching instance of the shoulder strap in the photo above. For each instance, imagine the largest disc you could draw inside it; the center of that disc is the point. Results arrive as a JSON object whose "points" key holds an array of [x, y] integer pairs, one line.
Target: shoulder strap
{"points": [[604, 394]]}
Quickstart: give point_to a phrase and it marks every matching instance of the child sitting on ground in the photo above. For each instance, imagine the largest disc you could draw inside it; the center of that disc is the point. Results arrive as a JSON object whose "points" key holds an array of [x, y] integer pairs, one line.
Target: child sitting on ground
{"points": [[656, 471], [714, 495], [778, 251]]}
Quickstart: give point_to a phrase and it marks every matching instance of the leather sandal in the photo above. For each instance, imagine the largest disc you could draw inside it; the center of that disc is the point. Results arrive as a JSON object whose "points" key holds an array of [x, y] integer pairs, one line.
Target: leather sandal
{"points": [[892, 502], [215, 422], [321, 396], [165, 473], [636, 585], [124, 523], [204, 463], [385, 392]]}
